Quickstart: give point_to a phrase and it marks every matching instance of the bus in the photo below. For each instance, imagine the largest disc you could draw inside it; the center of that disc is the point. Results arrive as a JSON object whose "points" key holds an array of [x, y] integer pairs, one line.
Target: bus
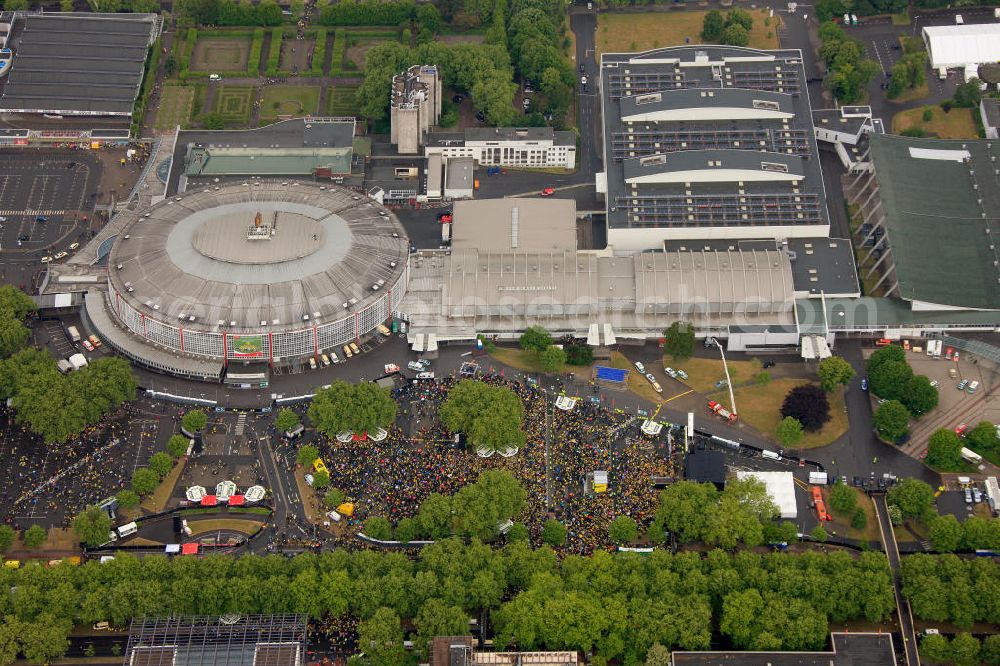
{"points": [[817, 496], [971, 456]]}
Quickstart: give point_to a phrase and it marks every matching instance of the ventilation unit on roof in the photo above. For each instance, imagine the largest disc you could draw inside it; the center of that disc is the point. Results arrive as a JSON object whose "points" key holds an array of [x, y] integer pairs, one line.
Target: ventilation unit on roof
{"points": [[648, 99], [774, 166], [766, 104], [652, 160]]}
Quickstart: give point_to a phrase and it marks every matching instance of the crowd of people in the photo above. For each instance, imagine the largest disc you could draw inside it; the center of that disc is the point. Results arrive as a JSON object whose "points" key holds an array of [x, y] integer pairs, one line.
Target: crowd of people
{"points": [[53, 483], [392, 477]]}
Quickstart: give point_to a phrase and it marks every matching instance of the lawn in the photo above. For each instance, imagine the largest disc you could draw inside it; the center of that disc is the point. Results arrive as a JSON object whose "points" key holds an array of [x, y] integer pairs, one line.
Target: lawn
{"points": [[175, 107], [911, 94], [704, 372], [234, 103], [310, 502], [758, 405], [341, 101], [842, 523], [221, 54], [157, 502], [231, 524], [618, 33], [956, 124], [527, 361], [293, 101]]}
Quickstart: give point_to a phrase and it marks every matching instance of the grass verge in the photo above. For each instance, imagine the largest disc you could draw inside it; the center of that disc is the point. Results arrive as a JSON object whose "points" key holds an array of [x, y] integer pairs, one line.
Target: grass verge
{"points": [[618, 33], [232, 524], [175, 107], [956, 124], [294, 101], [704, 372], [842, 523], [637, 383], [759, 406], [310, 503], [158, 500]]}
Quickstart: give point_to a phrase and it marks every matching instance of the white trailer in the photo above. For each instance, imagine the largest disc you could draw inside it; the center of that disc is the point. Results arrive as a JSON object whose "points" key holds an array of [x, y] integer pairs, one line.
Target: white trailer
{"points": [[818, 478], [77, 361], [73, 334]]}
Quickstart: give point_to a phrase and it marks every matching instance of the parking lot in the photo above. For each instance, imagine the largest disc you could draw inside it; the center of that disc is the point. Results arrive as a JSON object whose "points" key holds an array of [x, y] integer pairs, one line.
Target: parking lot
{"points": [[44, 196]]}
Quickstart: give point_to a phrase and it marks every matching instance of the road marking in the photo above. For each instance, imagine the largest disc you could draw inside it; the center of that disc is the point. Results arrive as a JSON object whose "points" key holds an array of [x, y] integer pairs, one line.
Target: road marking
{"points": [[679, 395]]}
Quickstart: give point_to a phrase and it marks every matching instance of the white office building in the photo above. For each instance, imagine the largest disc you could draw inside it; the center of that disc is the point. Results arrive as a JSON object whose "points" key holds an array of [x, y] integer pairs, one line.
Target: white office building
{"points": [[506, 146]]}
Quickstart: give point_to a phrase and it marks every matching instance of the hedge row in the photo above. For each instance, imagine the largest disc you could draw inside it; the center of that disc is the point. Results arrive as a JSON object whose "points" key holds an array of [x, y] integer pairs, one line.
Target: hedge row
{"points": [[274, 55], [253, 63], [152, 63], [189, 42], [339, 52], [319, 53]]}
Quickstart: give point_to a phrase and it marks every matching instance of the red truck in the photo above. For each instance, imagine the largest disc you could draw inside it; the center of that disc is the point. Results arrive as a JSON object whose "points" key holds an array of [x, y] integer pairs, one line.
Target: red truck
{"points": [[721, 411]]}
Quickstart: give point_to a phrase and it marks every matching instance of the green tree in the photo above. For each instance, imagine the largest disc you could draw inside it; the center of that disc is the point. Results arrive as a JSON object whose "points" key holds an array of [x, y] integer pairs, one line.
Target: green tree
{"points": [[580, 354], [92, 526], [535, 338], [144, 481], [15, 5], [194, 421], [684, 508], [658, 656], [518, 533], [819, 534], [287, 420], [161, 463], [381, 638], [321, 480], [7, 535], [553, 533], [429, 17], [895, 515], [860, 519], [334, 497], [127, 499], [843, 500], [623, 530], [945, 533], [914, 498], [712, 26], [481, 506], [435, 516], [944, 450], [378, 527], [490, 416], [740, 17], [34, 537], [935, 647], [968, 94], [920, 396], [735, 35], [45, 638], [679, 340], [983, 437], [438, 618], [177, 446], [552, 358], [407, 530], [892, 421], [789, 431], [890, 380], [886, 354], [965, 649], [991, 650], [834, 371], [306, 454], [358, 408]]}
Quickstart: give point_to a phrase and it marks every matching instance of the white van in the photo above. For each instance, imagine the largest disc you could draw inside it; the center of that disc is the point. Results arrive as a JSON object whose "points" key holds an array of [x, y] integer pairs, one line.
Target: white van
{"points": [[972, 387], [214, 77], [958, 19], [127, 529], [942, 73]]}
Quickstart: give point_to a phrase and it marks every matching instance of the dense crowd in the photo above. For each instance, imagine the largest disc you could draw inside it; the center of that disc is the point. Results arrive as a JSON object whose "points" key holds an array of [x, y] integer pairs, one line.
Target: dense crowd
{"points": [[391, 478], [53, 483]]}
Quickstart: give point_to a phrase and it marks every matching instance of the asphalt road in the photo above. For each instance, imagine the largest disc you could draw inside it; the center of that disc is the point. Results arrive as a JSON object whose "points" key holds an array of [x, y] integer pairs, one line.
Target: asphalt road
{"points": [[591, 157], [903, 606]]}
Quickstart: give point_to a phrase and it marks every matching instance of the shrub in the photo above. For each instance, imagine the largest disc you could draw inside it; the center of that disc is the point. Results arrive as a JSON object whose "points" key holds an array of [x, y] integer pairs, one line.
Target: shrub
{"points": [[333, 498], [306, 454], [319, 53], [860, 519], [177, 446], [554, 533], [253, 62], [378, 527], [321, 480], [144, 481], [927, 115], [127, 499], [843, 499], [274, 54]]}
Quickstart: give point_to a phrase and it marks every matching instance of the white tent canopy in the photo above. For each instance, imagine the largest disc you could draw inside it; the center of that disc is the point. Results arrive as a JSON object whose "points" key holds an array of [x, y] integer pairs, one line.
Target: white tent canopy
{"points": [[651, 428], [225, 489], [255, 494], [961, 45], [565, 403], [195, 493], [781, 488]]}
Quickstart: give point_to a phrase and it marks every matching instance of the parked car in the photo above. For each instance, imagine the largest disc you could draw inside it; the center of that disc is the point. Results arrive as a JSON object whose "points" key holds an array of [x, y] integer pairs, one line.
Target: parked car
{"points": [[94, 340], [657, 387], [86, 345], [73, 246], [324, 359], [768, 364], [354, 348], [46, 259], [682, 375], [670, 372], [968, 496], [640, 367], [60, 255], [864, 383], [312, 363], [962, 429], [548, 191], [962, 384], [935, 383], [415, 366], [583, 68], [347, 351]]}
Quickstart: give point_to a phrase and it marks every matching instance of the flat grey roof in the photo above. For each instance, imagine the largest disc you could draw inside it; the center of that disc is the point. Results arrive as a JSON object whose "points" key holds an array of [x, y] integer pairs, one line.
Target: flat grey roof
{"points": [[941, 201], [840, 120], [875, 314], [528, 224], [991, 107], [83, 64], [714, 76], [175, 263], [459, 173], [824, 266], [509, 134], [715, 164], [848, 650]]}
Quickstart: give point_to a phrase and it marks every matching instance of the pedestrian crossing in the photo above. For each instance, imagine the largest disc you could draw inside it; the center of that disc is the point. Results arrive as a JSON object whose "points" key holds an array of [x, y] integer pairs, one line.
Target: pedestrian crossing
{"points": [[241, 423], [29, 212]]}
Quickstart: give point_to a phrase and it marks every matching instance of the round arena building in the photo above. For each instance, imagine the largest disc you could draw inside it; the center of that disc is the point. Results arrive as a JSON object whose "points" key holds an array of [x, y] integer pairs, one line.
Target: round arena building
{"points": [[267, 272]]}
